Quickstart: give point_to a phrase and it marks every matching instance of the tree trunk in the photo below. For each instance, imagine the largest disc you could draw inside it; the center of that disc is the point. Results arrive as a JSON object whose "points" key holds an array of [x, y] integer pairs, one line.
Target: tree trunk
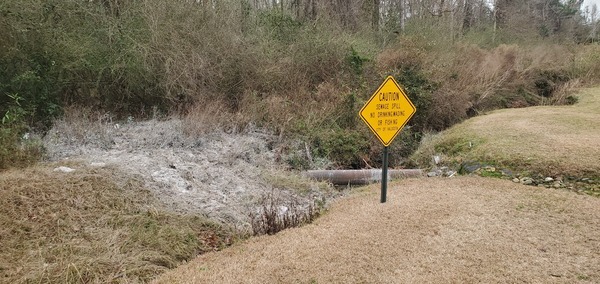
{"points": [[468, 16], [375, 15]]}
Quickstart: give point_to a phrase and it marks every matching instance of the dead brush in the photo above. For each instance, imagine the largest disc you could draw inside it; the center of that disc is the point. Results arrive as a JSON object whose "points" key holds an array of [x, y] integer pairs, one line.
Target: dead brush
{"points": [[586, 63], [205, 117], [274, 217], [563, 95], [83, 126], [474, 79]]}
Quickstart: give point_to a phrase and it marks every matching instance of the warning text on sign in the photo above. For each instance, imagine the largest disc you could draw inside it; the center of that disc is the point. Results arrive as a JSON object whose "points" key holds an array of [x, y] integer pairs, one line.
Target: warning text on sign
{"points": [[387, 111]]}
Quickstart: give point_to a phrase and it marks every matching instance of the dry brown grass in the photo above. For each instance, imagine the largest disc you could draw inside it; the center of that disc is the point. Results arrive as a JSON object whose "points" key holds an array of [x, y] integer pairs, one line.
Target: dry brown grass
{"points": [[549, 140], [460, 230], [91, 226]]}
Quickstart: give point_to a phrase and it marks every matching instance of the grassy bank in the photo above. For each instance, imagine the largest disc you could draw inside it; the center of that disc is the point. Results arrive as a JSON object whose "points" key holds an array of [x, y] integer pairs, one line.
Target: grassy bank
{"points": [[554, 141], [92, 226]]}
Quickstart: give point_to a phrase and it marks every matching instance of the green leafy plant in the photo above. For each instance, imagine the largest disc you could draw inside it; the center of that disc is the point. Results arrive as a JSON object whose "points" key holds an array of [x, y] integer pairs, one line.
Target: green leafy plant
{"points": [[356, 61], [15, 112], [16, 151]]}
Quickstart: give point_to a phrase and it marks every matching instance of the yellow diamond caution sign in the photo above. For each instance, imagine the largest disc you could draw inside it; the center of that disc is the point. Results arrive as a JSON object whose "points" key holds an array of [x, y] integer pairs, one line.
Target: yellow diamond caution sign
{"points": [[387, 111]]}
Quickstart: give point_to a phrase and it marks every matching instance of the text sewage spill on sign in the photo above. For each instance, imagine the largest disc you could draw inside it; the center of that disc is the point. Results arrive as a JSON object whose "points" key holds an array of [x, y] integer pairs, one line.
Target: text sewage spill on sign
{"points": [[382, 106]]}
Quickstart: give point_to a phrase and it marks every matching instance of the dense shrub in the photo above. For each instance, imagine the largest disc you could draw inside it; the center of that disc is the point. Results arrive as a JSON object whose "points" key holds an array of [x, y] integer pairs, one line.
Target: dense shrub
{"points": [[279, 67]]}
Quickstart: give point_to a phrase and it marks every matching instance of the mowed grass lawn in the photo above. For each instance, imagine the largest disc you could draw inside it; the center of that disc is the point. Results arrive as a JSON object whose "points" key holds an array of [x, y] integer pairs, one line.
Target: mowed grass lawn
{"points": [[456, 230], [448, 230]]}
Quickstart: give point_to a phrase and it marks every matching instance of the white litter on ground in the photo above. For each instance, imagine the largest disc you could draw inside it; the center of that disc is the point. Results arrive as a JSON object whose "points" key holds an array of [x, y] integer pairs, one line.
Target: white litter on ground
{"points": [[221, 176]]}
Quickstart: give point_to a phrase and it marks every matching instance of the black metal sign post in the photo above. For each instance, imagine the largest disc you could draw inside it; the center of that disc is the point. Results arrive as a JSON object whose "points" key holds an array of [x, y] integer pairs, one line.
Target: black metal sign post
{"points": [[384, 175]]}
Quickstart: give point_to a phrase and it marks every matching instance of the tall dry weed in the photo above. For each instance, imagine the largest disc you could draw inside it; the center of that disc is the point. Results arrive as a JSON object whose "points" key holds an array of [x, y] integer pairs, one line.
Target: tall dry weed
{"points": [[479, 72], [586, 63], [563, 94], [505, 76], [206, 117], [276, 215], [406, 53], [83, 126]]}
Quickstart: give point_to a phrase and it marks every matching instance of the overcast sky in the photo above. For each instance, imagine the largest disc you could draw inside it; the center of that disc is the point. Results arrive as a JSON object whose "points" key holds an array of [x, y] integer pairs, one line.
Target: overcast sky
{"points": [[590, 2]]}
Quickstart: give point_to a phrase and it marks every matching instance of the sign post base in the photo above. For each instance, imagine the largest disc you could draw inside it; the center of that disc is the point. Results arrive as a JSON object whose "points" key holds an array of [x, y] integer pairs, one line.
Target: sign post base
{"points": [[384, 175]]}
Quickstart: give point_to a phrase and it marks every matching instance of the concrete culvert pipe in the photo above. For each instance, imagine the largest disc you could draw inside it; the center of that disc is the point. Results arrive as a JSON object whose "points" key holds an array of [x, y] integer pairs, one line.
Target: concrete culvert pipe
{"points": [[357, 177]]}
